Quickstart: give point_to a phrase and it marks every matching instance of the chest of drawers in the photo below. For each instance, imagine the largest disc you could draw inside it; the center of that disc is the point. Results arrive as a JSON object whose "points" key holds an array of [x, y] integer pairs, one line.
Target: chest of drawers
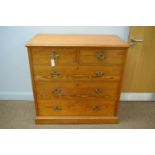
{"points": [[76, 78]]}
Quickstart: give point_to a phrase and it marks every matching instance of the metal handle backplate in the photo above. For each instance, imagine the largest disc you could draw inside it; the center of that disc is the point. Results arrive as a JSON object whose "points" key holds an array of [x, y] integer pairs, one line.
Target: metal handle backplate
{"points": [[56, 108], [96, 108], [99, 74], [98, 90], [55, 74], [101, 56], [56, 91]]}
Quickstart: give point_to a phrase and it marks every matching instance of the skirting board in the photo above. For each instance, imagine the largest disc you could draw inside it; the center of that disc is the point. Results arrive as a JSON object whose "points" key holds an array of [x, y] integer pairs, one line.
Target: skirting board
{"points": [[124, 96], [16, 96], [137, 97]]}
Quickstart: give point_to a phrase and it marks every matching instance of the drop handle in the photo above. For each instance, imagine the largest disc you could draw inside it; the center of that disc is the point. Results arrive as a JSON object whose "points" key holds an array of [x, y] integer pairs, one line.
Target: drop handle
{"points": [[101, 56], [98, 90], [99, 74], [56, 91], [55, 56], [56, 108], [55, 74], [96, 108]]}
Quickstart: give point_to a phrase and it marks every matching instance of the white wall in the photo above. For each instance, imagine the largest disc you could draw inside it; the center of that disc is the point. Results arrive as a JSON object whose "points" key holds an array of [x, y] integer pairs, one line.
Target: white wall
{"points": [[15, 82]]}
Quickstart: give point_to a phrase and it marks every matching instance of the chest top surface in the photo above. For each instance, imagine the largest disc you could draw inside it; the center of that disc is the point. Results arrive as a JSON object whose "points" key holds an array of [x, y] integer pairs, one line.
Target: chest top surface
{"points": [[77, 41]]}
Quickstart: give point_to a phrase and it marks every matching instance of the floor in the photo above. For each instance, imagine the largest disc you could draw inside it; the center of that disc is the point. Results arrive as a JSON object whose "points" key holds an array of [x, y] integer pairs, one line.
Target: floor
{"points": [[133, 115]]}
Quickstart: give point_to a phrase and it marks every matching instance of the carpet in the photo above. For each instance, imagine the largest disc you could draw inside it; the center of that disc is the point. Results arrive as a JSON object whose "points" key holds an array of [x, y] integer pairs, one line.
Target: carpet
{"points": [[133, 115]]}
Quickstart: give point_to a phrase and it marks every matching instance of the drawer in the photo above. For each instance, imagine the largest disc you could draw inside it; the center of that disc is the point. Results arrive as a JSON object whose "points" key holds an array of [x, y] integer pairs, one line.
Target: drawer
{"points": [[75, 90], [43, 56], [88, 73], [76, 108], [99, 56]]}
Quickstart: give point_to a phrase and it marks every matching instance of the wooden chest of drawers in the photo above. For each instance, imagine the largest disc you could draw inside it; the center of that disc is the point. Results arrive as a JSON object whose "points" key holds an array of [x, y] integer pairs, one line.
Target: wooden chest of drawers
{"points": [[76, 78]]}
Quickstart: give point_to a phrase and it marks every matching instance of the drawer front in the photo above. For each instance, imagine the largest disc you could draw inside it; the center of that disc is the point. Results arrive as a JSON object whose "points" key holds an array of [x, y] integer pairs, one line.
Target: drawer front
{"points": [[100, 56], [88, 73], [61, 56], [76, 108], [75, 90]]}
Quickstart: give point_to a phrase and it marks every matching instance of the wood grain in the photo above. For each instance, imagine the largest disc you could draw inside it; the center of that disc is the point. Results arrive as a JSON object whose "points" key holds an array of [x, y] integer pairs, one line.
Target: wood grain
{"points": [[43, 56], [76, 120], [76, 90], [77, 40], [76, 107], [70, 96], [70, 73], [90, 56], [139, 70], [33, 81]]}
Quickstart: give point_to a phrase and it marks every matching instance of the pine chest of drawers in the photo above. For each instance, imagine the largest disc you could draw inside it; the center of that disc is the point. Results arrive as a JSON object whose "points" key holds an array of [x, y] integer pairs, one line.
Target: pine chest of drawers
{"points": [[76, 78]]}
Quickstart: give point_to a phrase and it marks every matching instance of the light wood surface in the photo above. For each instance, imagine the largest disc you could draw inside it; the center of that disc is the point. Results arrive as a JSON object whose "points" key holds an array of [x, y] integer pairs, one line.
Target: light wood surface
{"points": [[71, 73], [77, 40], [87, 107], [79, 72], [42, 56], [76, 90], [76, 120], [89, 56], [33, 80], [139, 73], [74, 56]]}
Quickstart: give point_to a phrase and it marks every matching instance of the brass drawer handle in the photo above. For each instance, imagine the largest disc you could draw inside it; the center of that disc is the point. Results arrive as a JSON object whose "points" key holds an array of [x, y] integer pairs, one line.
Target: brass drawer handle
{"points": [[56, 108], [55, 56], [99, 74], [101, 56], [56, 91], [55, 74], [96, 108], [98, 90]]}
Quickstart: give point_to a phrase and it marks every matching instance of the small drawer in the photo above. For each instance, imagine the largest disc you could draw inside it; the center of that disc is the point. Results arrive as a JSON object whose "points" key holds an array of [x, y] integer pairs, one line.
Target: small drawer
{"points": [[61, 56], [87, 73], [76, 108], [75, 90], [99, 56]]}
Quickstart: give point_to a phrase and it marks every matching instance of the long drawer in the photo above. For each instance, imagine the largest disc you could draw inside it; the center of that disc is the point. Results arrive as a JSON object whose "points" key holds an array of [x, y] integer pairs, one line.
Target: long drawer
{"points": [[88, 73], [74, 90], [76, 108]]}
